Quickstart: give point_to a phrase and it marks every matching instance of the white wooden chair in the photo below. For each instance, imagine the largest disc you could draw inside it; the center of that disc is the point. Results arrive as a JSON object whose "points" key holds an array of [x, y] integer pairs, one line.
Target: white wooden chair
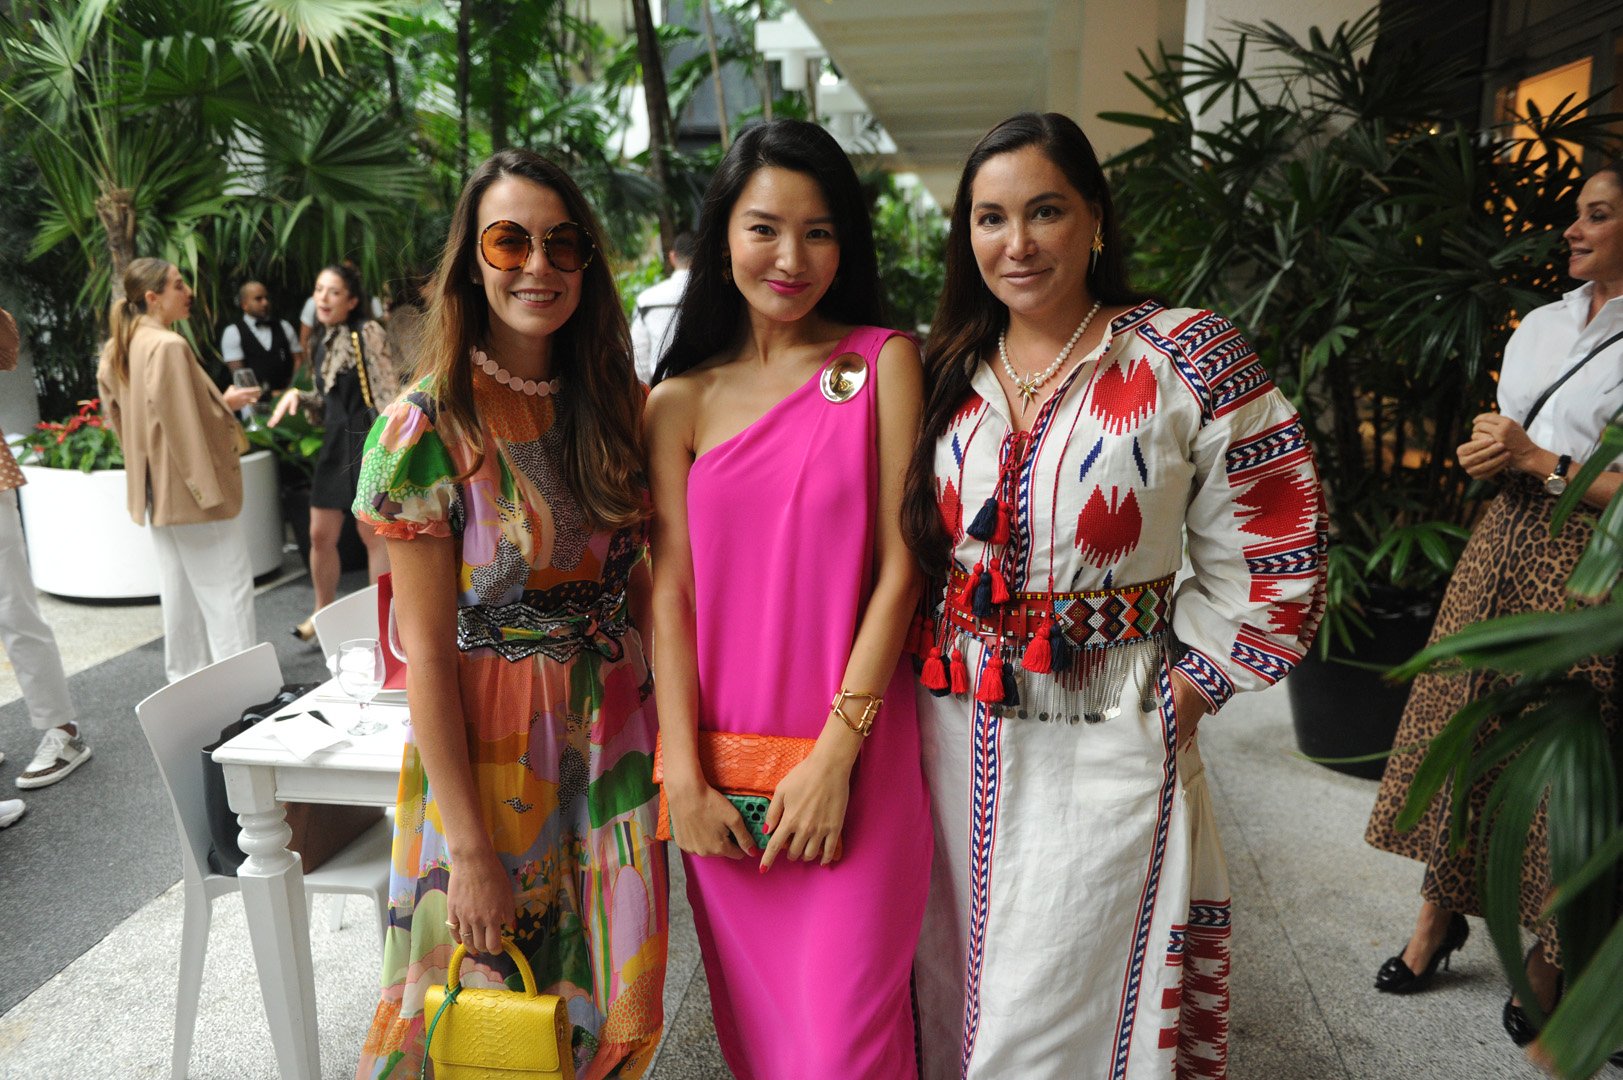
{"points": [[178, 722], [354, 616]]}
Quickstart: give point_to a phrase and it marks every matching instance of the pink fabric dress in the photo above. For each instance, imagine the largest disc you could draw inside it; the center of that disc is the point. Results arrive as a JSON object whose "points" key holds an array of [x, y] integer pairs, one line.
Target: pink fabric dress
{"points": [[808, 965]]}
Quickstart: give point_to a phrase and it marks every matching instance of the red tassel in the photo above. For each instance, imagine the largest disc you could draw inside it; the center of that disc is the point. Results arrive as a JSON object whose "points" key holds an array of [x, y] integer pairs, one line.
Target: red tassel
{"points": [[990, 689], [966, 595], [934, 676], [1000, 588], [959, 672], [1000, 534], [1038, 657]]}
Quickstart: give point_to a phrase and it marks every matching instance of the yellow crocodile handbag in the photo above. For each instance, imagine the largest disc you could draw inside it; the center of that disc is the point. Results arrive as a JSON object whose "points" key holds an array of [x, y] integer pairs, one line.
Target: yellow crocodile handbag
{"points": [[496, 1034]]}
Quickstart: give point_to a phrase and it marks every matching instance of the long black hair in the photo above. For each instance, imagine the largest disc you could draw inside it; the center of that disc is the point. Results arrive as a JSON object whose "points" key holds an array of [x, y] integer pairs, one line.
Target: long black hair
{"points": [[968, 317], [708, 318]]}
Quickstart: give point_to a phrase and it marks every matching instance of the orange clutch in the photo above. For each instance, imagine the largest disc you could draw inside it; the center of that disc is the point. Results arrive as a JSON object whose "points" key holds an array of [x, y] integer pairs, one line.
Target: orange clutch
{"points": [[738, 766]]}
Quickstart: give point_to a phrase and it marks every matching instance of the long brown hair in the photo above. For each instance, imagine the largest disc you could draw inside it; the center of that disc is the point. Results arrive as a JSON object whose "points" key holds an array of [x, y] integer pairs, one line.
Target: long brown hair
{"points": [[599, 411], [141, 276], [968, 317]]}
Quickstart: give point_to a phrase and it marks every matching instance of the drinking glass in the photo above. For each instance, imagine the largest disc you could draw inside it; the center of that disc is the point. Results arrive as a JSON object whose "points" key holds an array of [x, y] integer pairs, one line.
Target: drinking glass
{"points": [[248, 379], [360, 675]]}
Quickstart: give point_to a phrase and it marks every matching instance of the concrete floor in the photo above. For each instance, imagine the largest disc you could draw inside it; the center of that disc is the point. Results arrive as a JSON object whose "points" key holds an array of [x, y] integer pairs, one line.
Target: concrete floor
{"points": [[1316, 911]]}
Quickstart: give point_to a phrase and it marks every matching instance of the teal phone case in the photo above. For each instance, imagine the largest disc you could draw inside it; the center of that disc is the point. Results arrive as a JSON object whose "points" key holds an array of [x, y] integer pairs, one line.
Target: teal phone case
{"points": [[753, 807]]}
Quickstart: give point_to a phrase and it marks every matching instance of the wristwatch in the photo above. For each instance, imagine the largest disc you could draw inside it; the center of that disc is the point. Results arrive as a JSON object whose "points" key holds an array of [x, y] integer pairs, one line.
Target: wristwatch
{"points": [[1556, 482]]}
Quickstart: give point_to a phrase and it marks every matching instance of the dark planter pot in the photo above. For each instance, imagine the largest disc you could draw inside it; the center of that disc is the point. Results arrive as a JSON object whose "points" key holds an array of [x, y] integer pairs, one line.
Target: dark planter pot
{"points": [[1340, 707], [296, 512]]}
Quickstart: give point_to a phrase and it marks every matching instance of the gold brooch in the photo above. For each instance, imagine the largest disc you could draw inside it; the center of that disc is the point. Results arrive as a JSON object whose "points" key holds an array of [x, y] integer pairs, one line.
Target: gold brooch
{"points": [[845, 375]]}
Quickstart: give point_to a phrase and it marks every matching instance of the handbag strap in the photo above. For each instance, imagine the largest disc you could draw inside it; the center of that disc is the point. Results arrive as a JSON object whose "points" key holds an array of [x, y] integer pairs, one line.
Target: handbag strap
{"points": [[1553, 387], [360, 368], [429, 1037]]}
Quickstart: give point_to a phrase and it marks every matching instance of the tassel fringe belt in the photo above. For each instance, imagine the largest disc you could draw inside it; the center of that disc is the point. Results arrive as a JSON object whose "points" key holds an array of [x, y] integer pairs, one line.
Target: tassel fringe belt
{"points": [[1090, 644]]}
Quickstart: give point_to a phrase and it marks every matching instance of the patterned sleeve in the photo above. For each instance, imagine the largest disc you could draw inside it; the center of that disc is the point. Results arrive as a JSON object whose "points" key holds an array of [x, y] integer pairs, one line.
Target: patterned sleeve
{"points": [[1256, 521], [408, 477]]}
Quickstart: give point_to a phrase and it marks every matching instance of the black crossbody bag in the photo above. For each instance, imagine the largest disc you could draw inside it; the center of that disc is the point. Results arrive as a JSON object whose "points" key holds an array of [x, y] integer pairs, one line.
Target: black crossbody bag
{"points": [[1553, 387]]}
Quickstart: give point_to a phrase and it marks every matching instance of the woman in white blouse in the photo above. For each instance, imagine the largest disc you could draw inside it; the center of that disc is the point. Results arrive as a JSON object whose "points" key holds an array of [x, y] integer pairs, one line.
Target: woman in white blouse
{"points": [[1562, 380]]}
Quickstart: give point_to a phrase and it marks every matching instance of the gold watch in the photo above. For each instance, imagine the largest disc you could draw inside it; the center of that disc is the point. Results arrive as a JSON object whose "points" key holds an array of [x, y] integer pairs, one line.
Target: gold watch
{"points": [[1556, 482]]}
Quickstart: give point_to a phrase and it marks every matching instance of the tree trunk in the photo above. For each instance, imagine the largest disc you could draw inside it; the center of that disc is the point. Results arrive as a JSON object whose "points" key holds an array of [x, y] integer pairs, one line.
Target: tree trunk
{"points": [[715, 74], [391, 71], [659, 115], [116, 209], [463, 17]]}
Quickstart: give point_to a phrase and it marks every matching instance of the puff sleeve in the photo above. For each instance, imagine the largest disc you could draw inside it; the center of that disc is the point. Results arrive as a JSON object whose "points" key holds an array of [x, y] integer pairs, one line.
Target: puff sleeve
{"points": [[408, 476], [1256, 524]]}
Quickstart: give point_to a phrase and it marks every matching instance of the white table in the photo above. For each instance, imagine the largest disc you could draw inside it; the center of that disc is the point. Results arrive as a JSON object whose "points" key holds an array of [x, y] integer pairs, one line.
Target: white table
{"points": [[260, 773]]}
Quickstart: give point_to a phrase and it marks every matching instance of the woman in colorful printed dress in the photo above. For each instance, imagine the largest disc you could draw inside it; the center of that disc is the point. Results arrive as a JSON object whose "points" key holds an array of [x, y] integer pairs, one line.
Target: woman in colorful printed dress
{"points": [[354, 377], [1079, 908], [508, 485], [779, 427]]}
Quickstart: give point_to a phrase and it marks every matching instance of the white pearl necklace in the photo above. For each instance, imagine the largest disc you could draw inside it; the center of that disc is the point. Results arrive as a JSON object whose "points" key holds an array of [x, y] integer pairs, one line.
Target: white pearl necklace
{"points": [[506, 378], [1028, 386]]}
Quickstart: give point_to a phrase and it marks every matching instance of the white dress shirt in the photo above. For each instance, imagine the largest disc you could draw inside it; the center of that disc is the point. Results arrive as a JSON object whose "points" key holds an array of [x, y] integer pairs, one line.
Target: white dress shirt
{"points": [[654, 321], [1549, 342], [231, 340]]}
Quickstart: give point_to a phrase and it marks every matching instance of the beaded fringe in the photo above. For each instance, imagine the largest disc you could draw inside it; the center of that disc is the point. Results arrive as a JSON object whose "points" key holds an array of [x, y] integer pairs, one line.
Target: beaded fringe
{"points": [[1090, 689]]}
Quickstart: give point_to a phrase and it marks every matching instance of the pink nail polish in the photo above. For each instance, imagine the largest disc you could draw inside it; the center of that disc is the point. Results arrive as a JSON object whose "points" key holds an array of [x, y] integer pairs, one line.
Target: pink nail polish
{"points": [[766, 830]]}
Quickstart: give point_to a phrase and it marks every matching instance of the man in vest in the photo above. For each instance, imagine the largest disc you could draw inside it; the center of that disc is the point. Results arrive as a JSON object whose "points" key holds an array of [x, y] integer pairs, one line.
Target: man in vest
{"points": [[260, 341]]}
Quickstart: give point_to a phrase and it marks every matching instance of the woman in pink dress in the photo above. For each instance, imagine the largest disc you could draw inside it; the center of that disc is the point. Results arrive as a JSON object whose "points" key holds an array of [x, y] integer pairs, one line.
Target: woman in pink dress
{"points": [[779, 429]]}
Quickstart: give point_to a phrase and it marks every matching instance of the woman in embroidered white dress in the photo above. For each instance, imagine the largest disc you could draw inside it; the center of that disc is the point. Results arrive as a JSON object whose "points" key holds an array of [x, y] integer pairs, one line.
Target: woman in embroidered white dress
{"points": [[1079, 913]]}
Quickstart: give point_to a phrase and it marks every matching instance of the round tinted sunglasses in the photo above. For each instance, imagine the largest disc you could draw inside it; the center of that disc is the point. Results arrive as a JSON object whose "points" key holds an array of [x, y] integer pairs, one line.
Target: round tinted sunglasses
{"points": [[504, 245]]}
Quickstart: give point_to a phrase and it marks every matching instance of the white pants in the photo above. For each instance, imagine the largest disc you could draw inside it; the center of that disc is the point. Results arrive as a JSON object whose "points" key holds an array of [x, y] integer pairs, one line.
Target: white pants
{"points": [[26, 636], [206, 587]]}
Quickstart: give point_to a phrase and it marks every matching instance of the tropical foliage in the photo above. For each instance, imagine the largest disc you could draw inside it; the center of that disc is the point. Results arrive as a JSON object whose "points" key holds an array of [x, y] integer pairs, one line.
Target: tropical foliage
{"points": [[82, 441], [1377, 253], [267, 138]]}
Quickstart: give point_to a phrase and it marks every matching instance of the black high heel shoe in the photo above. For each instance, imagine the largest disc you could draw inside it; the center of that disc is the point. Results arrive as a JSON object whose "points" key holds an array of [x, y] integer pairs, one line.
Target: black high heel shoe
{"points": [[1517, 1025], [1395, 976]]}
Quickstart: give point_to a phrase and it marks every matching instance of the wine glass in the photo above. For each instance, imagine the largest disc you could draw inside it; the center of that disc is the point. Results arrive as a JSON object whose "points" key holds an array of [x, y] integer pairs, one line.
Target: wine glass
{"points": [[248, 379], [360, 675]]}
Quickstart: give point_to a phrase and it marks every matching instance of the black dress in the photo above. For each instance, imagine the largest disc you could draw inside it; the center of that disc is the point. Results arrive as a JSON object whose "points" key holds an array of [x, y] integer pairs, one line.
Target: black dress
{"points": [[347, 420]]}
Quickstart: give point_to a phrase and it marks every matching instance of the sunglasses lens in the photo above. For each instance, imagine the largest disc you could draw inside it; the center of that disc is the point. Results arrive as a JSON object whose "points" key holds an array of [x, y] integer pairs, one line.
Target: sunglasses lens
{"points": [[504, 245], [568, 247]]}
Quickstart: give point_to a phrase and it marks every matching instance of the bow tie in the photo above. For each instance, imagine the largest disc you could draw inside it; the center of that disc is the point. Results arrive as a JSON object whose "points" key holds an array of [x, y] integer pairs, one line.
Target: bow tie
{"points": [[261, 324]]}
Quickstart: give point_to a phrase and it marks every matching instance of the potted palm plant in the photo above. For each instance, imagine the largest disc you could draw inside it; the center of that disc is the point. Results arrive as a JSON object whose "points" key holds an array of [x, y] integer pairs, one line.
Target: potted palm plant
{"points": [[1377, 253]]}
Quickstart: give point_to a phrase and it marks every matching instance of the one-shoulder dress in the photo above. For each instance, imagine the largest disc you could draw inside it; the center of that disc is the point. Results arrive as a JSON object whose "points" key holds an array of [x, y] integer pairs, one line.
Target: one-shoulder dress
{"points": [[808, 965]]}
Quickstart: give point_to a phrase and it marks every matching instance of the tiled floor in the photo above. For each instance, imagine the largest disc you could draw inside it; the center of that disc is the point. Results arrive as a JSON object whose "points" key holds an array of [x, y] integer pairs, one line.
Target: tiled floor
{"points": [[1316, 912]]}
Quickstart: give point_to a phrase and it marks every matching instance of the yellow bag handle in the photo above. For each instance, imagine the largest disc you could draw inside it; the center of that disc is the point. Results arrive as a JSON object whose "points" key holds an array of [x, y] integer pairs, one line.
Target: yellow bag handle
{"points": [[453, 977], [453, 987]]}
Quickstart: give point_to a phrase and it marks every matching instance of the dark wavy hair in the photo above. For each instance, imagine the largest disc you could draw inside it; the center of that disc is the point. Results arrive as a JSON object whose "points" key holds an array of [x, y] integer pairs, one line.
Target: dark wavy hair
{"points": [[968, 317], [361, 313], [712, 309], [600, 410]]}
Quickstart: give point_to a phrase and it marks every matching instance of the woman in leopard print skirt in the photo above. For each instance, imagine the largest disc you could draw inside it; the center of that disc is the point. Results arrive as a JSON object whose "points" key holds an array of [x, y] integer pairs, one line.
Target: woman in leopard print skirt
{"points": [[1512, 565]]}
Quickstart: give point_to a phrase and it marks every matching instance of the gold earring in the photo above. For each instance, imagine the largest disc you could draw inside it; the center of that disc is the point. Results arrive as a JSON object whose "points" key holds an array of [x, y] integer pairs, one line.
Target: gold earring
{"points": [[1098, 246]]}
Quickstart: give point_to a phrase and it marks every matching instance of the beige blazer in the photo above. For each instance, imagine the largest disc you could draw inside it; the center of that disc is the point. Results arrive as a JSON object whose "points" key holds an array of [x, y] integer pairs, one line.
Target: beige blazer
{"points": [[181, 442]]}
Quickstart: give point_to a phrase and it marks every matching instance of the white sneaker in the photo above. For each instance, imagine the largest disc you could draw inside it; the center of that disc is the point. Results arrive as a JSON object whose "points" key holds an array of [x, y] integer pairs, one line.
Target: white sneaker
{"points": [[11, 810], [58, 755]]}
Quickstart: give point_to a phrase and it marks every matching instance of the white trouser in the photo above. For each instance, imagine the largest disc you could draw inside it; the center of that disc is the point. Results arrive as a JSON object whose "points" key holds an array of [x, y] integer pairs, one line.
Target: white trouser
{"points": [[26, 636], [206, 587]]}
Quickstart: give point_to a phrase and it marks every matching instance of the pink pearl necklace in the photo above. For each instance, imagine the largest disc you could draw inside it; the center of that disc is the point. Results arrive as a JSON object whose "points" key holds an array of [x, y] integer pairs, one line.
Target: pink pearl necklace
{"points": [[506, 378]]}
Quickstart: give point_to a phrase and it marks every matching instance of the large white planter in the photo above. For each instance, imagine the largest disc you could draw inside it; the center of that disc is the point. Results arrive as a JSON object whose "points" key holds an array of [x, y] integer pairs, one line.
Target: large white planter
{"points": [[82, 543]]}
